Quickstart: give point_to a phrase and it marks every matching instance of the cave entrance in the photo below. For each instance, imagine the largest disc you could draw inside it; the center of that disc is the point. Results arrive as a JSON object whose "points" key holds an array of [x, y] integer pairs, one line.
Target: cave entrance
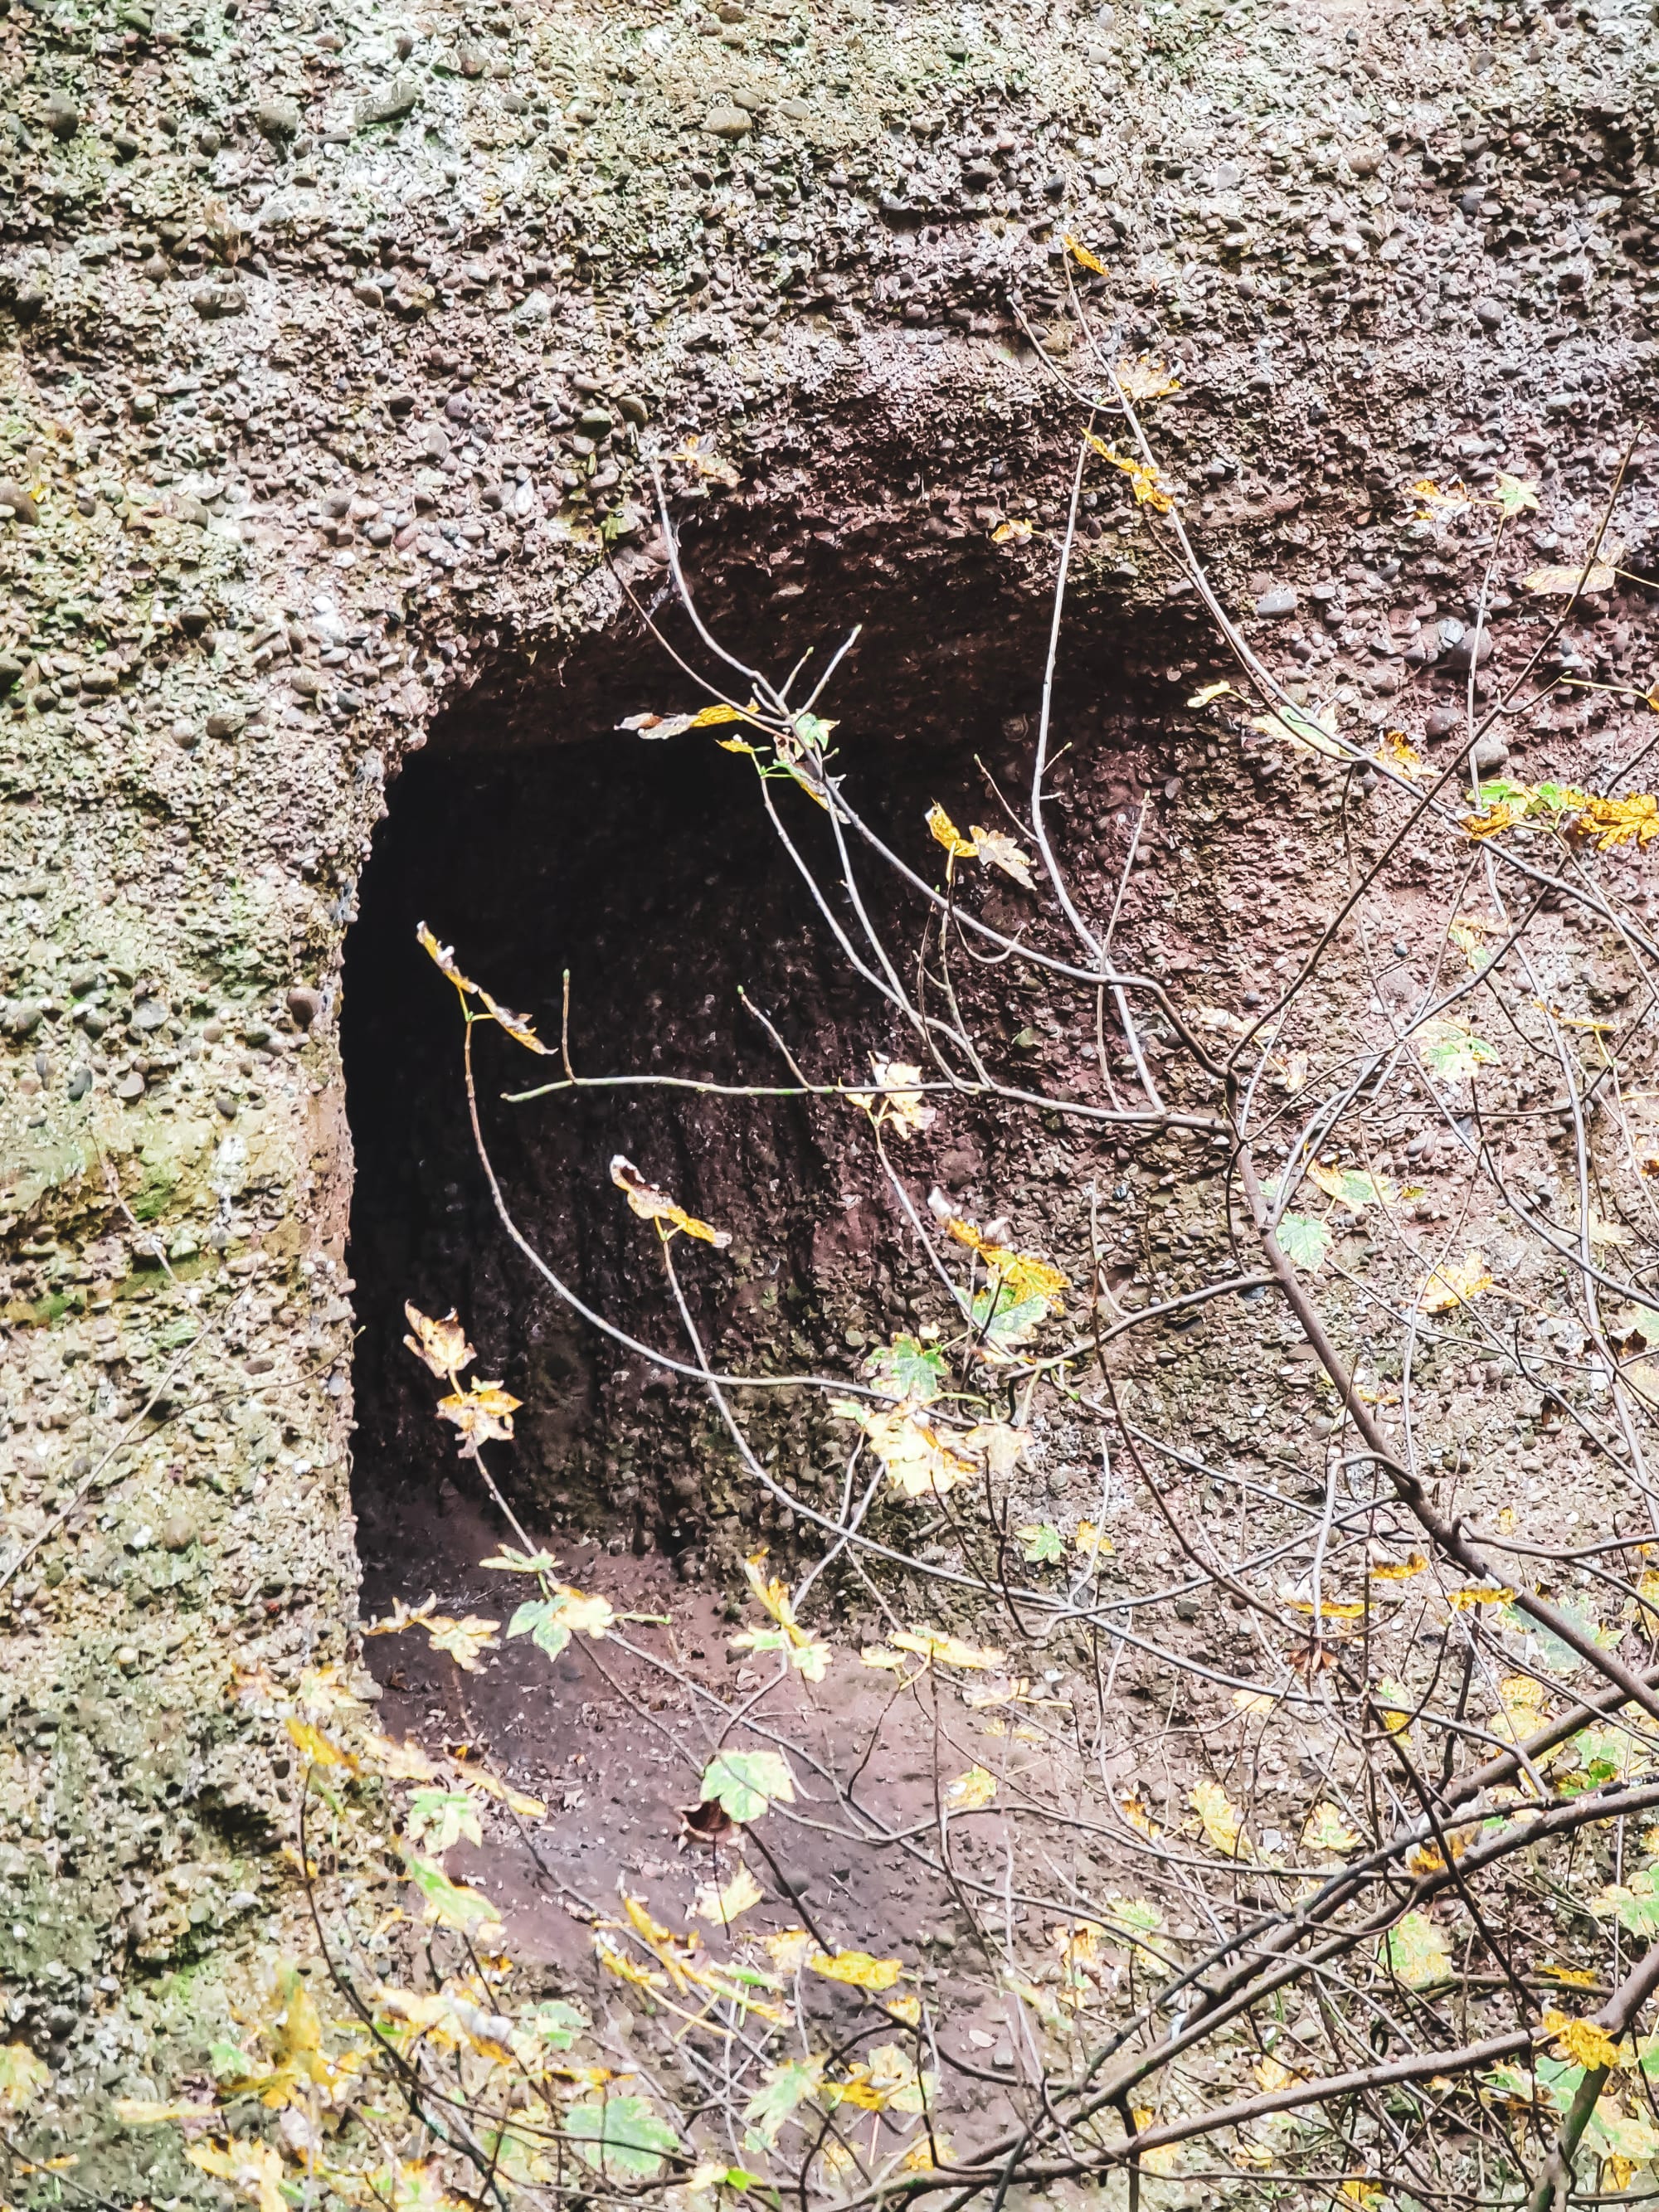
{"points": [[536, 837]]}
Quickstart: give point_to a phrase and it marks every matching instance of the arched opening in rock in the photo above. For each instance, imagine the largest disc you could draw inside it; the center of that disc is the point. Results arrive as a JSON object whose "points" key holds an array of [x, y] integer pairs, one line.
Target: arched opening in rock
{"points": [[535, 837]]}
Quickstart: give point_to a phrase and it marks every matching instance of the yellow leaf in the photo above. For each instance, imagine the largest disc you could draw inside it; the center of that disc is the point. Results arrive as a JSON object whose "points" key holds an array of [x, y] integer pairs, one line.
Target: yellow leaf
{"points": [[1202, 698], [720, 712], [1455, 1285], [1436, 503], [697, 455], [1398, 1571], [1142, 477], [1328, 1608], [1581, 2042], [857, 1969], [1364, 2194], [896, 1101], [254, 2170], [1012, 532], [1253, 1702], [482, 1412], [1462, 1601], [1562, 583], [146, 2112], [1091, 1543], [971, 1792], [22, 2077], [1082, 256], [1272, 2075], [1144, 379], [1611, 822], [942, 1650], [465, 1641], [313, 1745], [723, 1906], [441, 1344], [917, 1458], [651, 1205], [479, 1777], [1134, 1811], [789, 1949], [400, 1617], [1396, 1704], [908, 2010], [1222, 1822], [1001, 852], [1401, 755], [517, 1026], [946, 832], [1021, 1273]]}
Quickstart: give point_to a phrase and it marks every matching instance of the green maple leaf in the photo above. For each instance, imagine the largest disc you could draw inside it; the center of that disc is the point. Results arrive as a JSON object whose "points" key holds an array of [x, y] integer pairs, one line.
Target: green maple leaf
{"points": [[908, 1368], [744, 1782], [787, 2086], [1005, 1325], [1043, 1542], [1305, 1242], [1416, 1952], [1453, 1053], [623, 2135], [1515, 494], [438, 1818]]}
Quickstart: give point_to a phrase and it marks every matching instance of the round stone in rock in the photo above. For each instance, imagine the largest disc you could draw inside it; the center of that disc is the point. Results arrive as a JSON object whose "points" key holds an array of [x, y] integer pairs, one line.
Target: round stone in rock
{"points": [[391, 106], [129, 1086], [367, 294], [79, 1084], [1281, 601], [226, 1104], [728, 123], [18, 500], [1490, 312], [226, 722], [276, 118], [1490, 754], [1472, 650], [305, 1005], [1441, 721], [61, 116]]}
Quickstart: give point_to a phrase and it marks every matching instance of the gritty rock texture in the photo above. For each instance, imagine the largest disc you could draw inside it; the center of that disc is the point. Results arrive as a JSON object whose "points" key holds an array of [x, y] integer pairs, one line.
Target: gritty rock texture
{"points": [[331, 347]]}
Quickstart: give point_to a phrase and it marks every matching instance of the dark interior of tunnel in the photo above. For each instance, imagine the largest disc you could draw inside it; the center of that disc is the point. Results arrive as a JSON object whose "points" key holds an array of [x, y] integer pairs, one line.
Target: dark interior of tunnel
{"points": [[649, 872]]}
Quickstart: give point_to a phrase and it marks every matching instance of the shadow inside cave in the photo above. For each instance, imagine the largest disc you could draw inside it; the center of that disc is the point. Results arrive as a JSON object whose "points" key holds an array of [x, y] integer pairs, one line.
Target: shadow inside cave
{"points": [[539, 839]]}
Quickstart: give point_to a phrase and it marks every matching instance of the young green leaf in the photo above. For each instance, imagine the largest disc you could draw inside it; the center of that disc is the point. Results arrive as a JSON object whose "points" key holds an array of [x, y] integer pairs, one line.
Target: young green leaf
{"points": [[1416, 1952], [1043, 1541], [439, 1818], [786, 2087], [622, 2137], [744, 1782], [1452, 1053], [1635, 1904], [908, 1368], [1305, 1242]]}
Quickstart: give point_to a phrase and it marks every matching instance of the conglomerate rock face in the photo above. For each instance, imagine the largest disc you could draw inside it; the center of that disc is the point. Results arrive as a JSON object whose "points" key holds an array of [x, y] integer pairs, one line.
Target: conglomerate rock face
{"points": [[334, 348]]}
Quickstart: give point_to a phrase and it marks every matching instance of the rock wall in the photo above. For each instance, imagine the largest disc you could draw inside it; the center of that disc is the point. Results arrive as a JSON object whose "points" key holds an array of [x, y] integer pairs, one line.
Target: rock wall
{"points": [[333, 347]]}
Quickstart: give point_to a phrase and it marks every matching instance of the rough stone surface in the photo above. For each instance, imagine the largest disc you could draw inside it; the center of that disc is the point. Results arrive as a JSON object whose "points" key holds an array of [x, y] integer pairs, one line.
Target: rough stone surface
{"points": [[267, 530]]}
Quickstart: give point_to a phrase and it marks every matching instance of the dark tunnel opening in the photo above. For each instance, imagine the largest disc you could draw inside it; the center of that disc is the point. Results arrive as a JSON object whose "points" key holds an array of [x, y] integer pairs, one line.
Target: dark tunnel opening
{"points": [[534, 838]]}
